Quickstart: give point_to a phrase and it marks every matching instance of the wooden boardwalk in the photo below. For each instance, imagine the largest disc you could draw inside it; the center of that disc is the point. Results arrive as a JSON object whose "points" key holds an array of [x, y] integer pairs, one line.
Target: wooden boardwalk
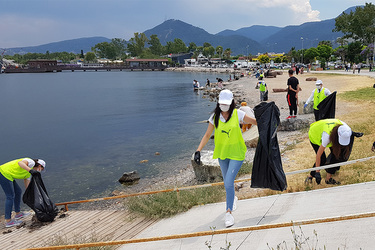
{"points": [[102, 225]]}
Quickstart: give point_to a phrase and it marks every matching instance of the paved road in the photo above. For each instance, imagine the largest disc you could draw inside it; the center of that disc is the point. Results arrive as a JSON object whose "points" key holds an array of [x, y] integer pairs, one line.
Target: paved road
{"points": [[329, 202]]}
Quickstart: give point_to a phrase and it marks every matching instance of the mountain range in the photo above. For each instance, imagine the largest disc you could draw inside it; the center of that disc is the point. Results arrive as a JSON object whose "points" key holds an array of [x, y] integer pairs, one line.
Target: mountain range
{"points": [[248, 40]]}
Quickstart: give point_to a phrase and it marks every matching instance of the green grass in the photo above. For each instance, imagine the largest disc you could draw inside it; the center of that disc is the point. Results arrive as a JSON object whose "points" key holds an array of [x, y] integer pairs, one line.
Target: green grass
{"points": [[164, 205], [364, 94]]}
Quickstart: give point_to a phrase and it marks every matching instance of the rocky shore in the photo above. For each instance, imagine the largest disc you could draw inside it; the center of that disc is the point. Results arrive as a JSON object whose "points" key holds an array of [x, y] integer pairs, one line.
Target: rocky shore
{"points": [[244, 90]]}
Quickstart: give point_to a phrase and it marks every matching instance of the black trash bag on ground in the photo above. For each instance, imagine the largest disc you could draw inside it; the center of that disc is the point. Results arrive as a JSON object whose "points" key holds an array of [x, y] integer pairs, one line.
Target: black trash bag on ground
{"points": [[327, 107], [265, 97], [267, 166], [36, 197]]}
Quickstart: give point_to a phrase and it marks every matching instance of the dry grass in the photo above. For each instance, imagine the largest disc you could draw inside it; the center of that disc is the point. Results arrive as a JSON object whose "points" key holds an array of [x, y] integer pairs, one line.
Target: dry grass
{"points": [[355, 106]]}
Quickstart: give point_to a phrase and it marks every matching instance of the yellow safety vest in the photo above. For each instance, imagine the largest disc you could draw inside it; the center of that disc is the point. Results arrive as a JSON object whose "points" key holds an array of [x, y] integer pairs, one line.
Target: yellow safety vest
{"points": [[262, 87], [318, 97], [11, 170], [229, 143], [317, 129]]}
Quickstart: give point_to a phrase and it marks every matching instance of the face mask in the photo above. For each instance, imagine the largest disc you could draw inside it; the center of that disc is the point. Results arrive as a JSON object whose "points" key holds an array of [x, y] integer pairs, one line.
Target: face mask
{"points": [[224, 107], [318, 87]]}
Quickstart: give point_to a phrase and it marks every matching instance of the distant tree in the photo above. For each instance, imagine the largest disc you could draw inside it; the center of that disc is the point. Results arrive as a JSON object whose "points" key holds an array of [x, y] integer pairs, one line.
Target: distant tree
{"points": [[192, 47], [293, 55], [209, 51], [137, 44], [179, 46], [227, 53], [90, 57], [104, 50], [119, 46], [342, 41], [205, 45], [156, 47], [358, 25], [263, 59], [325, 42], [219, 51], [354, 50], [278, 59], [311, 53], [325, 52]]}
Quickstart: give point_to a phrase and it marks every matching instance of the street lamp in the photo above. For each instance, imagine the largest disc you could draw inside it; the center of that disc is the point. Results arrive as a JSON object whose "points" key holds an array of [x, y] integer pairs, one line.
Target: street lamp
{"points": [[302, 49]]}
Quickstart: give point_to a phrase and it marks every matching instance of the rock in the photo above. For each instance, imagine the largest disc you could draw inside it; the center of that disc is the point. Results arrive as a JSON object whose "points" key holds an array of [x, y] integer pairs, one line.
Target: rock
{"points": [[117, 193], [294, 124], [309, 108], [129, 178], [311, 79], [280, 90], [157, 153], [251, 137], [143, 161], [209, 170]]}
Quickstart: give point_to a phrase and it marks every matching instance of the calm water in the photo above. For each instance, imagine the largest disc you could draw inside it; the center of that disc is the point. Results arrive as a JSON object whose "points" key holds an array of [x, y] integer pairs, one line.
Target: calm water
{"points": [[90, 127]]}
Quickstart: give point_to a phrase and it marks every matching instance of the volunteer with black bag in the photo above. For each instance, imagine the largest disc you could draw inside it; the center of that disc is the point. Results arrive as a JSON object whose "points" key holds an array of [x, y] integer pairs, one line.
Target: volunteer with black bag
{"points": [[230, 147], [17, 169], [336, 135]]}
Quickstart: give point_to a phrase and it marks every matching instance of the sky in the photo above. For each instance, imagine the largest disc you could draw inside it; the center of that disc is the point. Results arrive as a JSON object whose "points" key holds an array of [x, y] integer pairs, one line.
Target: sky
{"points": [[36, 22]]}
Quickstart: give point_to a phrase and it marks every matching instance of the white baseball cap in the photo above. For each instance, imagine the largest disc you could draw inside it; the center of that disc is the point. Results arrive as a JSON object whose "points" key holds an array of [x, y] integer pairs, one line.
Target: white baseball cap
{"points": [[226, 97], [345, 133], [318, 82], [42, 163]]}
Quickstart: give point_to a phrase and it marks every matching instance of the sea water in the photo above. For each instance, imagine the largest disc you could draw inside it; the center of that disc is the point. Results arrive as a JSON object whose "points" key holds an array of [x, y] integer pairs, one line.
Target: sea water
{"points": [[91, 127]]}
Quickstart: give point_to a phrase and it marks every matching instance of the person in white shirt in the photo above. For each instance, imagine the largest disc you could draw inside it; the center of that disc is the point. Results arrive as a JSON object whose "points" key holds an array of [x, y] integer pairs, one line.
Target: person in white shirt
{"points": [[317, 96], [230, 148], [249, 112]]}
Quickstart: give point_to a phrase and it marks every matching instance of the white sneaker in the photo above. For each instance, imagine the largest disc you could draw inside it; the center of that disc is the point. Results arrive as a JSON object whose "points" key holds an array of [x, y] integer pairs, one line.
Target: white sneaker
{"points": [[229, 219], [235, 203]]}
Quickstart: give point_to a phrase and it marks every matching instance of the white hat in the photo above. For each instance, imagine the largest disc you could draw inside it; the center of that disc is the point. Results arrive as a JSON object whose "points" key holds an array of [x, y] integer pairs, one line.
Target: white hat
{"points": [[226, 97], [42, 163], [318, 82], [345, 133]]}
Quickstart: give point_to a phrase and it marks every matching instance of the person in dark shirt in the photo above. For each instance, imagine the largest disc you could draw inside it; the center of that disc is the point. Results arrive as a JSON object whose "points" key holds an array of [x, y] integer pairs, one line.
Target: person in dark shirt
{"points": [[292, 96]]}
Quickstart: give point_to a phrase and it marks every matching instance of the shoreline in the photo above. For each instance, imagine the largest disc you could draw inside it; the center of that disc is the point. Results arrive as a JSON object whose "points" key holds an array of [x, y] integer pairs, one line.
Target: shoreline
{"points": [[243, 89]]}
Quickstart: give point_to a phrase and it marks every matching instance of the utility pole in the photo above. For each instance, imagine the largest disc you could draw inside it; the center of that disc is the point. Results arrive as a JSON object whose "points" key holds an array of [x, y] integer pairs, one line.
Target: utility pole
{"points": [[302, 49]]}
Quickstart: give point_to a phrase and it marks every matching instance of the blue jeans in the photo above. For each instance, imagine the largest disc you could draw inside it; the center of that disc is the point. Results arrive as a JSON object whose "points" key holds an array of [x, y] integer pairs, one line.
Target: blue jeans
{"points": [[13, 196], [229, 169]]}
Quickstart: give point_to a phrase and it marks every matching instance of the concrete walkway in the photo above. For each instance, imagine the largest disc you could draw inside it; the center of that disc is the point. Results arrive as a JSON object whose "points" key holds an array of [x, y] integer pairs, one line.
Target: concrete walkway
{"points": [[329, 202]]}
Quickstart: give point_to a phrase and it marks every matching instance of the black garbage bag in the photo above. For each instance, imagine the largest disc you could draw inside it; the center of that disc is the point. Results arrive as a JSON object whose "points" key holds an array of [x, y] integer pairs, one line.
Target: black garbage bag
{"points": [[36, 197], [265, 97], [267, 166], [327, 107]]}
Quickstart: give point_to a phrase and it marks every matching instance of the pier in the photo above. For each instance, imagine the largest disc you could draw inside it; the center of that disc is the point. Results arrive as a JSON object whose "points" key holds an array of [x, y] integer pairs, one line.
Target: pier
{"points": [[45, 66]]}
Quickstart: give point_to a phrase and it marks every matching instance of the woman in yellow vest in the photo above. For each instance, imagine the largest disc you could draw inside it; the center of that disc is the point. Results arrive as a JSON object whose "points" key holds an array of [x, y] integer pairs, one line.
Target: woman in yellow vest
{"points": [[230, 147], [17, 169], [318, 95], [336, 135]]}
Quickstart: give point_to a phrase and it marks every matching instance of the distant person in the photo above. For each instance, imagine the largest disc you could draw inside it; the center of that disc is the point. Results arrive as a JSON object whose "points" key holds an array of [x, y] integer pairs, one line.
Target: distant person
{"points": [[336, 135], [219, 82], [359, 67], [292, 96], [317, 95], [196, 84], [249, 112], [230, 148], [262, 90], [208, 83], [354, 67], [17, 169]]}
